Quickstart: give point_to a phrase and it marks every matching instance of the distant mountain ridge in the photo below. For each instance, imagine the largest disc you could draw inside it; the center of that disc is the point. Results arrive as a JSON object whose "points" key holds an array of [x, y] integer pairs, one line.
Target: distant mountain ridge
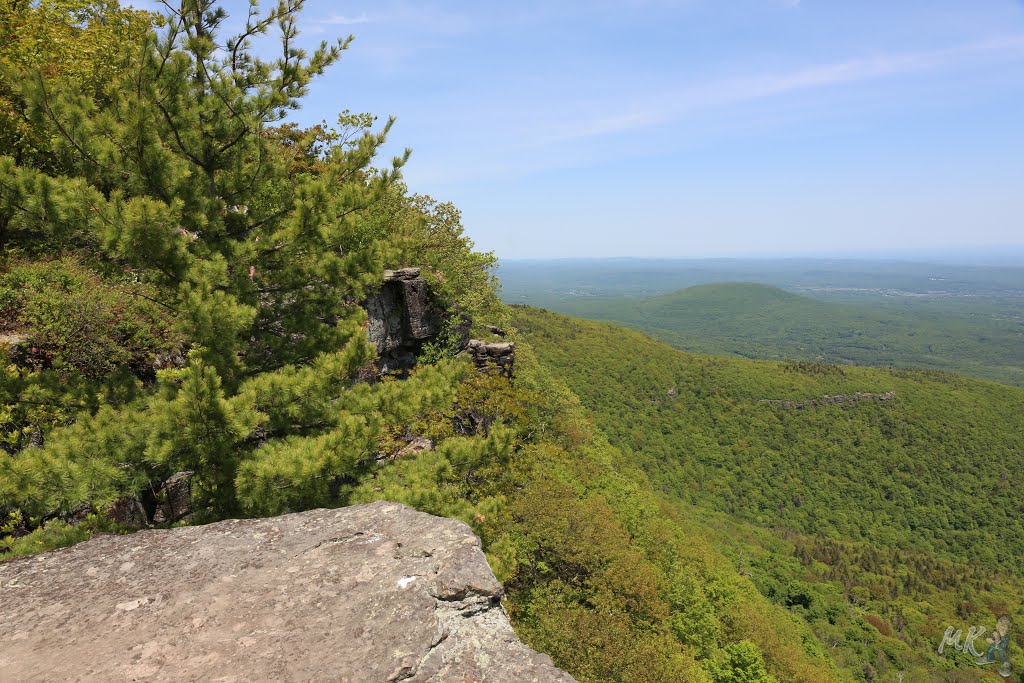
{"points": [[763, 322], [541, 282]]}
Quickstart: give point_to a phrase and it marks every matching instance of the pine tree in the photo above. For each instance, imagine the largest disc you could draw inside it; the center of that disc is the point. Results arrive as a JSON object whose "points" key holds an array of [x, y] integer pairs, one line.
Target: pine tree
{"points": [[256, 241]]}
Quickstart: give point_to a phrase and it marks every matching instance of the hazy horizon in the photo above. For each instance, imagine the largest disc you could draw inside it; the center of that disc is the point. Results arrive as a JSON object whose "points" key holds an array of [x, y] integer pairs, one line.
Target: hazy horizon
{"points": [[1003, 256]]}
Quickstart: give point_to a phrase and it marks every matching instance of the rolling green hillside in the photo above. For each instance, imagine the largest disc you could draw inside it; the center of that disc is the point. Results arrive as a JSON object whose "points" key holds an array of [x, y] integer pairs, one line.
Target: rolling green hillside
{"points": [[897, 490], [180, 322], [181, 337], [759, 321]]}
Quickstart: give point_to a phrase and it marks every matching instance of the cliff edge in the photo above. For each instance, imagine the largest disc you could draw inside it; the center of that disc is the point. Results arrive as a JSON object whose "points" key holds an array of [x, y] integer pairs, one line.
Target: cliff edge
{"points": [[375, 592]]}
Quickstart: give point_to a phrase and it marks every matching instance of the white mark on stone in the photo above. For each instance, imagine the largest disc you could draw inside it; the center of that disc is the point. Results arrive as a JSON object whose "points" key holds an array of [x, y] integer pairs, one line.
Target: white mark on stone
{"points": [[372, 538], [405, 581], [133, 604]]}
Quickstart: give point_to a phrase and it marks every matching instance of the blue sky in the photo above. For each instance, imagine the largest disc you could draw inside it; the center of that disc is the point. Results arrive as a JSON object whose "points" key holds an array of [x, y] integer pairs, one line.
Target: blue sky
{"points": [[697, 127]]}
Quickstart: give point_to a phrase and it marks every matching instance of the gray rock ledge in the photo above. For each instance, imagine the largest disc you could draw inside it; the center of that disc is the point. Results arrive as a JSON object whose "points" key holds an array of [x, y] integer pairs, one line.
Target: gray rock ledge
{"points": [[374, 592]]}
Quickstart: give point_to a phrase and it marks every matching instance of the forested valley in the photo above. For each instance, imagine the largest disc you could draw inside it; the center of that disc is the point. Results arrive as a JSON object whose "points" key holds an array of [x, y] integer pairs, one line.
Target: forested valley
{"points": [[183, 284]]}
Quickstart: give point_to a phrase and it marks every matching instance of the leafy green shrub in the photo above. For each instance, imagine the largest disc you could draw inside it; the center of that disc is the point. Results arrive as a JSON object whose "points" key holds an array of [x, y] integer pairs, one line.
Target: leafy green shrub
{"points": [[76, 322], [740, 663], [54, 534]]}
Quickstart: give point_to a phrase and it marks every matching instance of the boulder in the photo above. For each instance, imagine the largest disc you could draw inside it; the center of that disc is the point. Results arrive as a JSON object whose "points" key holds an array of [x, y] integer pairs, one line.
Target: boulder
{"points": [[368, 593], [12, 339], [418, 445], [413, 448]]}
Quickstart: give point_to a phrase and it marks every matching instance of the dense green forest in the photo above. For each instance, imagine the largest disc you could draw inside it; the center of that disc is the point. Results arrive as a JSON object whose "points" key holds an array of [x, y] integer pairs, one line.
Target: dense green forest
{"points": [[892, 489], [182, 282], [758, 321]]}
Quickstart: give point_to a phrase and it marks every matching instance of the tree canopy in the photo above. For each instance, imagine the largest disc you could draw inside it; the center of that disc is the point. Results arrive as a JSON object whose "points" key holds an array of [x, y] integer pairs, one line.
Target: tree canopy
{"points": [[218, 256], [182, 280]]}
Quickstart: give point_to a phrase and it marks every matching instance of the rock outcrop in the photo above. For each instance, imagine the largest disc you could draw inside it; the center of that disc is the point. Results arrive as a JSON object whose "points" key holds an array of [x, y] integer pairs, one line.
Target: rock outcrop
{"points": [[374, 592], [174, 499], [128, 512], [497, 357], [401, 318], [12, 339], [830, 400], [416, 446]]}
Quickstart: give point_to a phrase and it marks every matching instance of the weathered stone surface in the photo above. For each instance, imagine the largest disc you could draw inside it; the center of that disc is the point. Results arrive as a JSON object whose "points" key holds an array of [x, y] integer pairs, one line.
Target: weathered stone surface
{"points": [[12, 338], [15, 347], [413, 448], [497, 357], [128, 512], [174, 500], [401, 274], [369, 593], [175, 358], [400, 318]]}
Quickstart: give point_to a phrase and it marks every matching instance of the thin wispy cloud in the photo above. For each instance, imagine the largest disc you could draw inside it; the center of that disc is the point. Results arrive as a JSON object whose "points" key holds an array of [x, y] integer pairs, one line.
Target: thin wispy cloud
{"points": [[342, 20], [563, 136], [543, 118], [661, 108], [391, 36], [399, 17]]}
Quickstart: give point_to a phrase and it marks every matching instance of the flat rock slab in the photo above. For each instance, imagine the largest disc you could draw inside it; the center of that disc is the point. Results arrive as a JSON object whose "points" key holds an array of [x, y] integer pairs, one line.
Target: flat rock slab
{"points": [[374, 592]]}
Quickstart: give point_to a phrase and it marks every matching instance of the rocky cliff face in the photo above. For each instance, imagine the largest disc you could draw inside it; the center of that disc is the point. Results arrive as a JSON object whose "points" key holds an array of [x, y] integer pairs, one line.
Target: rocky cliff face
{"points": [[374, 592], [401, 318]]}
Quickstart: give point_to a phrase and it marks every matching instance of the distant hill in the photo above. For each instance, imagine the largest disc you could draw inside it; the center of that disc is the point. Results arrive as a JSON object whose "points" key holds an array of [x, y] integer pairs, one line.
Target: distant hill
{"points": [[760, 321], [550, 283]]}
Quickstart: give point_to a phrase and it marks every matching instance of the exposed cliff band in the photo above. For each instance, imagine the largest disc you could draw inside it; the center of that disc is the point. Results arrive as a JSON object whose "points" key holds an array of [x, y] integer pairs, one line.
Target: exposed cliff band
{"points": [[831, 400], [402, 317]]}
